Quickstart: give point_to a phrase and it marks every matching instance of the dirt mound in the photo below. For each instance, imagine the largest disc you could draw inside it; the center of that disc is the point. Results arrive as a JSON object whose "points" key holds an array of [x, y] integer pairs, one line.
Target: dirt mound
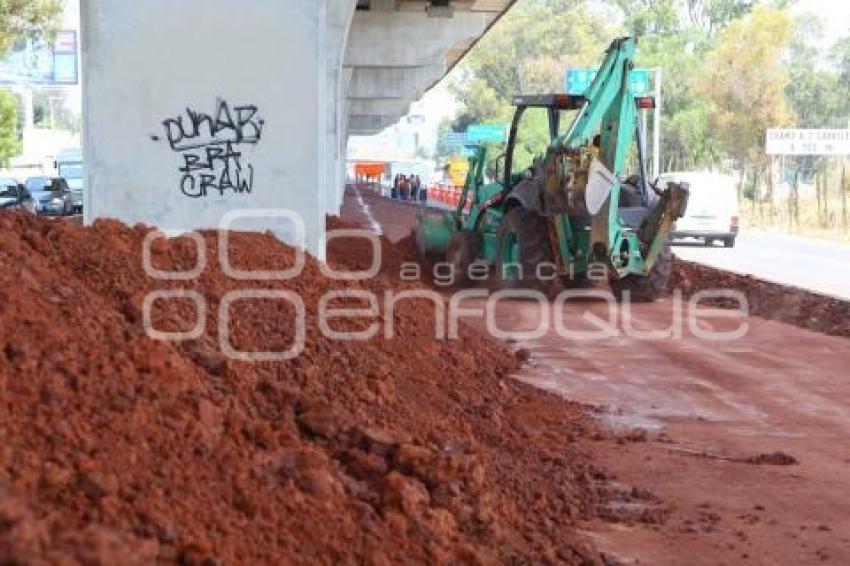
{"points": [[767, 300], [119, 449]]}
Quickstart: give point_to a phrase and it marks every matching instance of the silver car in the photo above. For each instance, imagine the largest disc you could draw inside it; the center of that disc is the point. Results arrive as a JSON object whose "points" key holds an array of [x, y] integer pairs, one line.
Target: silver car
{"points": [[52, 195]]}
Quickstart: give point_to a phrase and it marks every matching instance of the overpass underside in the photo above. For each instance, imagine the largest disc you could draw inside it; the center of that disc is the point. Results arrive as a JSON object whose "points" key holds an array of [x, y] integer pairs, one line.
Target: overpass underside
{"points": [[200, 109]]}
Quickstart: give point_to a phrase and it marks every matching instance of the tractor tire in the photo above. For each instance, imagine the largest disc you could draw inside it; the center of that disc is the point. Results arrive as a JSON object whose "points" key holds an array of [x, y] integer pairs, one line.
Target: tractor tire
{"points": [[523, 241], [463, 249], [647, 288]]}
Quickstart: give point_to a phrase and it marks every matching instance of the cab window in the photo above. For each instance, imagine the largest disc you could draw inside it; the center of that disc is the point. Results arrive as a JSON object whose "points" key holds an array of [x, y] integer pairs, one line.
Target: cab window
{"points": [[532, 139]]}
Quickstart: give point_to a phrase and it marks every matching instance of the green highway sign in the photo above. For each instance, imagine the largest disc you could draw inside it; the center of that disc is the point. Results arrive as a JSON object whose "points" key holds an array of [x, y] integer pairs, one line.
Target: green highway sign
{"points": [[483, 133], [639, 82], [579, 80], [455, 138]]}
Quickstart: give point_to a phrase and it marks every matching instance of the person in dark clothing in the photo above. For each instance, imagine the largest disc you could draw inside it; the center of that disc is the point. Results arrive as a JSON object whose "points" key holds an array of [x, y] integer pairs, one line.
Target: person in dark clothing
{"points": [[394, 193], [415, 186]]}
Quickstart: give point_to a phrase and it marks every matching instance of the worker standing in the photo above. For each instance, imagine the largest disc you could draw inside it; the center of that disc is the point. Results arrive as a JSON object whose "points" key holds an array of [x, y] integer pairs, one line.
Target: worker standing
{"points": [[416, 186]]}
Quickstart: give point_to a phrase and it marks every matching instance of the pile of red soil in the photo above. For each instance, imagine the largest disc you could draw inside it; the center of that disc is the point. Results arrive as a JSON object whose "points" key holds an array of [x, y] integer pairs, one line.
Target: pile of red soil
{"points": [[767, 300], [119, 449]]}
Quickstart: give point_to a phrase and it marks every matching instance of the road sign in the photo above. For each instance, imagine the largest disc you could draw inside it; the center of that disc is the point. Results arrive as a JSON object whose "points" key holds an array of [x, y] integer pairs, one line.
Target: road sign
{"points": [[639, 82], [798, 141], [483, 133], [458, 170], [65, 67], [579, 80], [455, 139]]}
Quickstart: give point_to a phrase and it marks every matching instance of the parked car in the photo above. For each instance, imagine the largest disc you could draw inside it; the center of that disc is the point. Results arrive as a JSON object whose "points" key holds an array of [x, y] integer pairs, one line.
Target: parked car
{"points": [[69, 164], [712, 214], [14, 195], [52, 195]]}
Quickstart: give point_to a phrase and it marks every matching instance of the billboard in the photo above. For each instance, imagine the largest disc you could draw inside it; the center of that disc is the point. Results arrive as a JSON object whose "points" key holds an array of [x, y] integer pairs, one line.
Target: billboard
{"points": [[34, 62]]}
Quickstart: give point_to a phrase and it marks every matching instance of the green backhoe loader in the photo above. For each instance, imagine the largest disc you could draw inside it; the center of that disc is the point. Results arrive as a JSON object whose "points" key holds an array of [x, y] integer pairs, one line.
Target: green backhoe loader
{"points": [[575, 212]]}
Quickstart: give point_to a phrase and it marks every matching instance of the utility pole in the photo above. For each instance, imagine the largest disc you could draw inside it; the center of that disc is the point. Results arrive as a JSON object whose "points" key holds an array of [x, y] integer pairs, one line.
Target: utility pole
{"points": [[656, 127]]}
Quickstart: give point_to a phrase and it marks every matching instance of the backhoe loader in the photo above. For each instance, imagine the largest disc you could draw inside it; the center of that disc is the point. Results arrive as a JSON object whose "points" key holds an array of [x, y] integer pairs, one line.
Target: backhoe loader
{"points": [[575, 209]]}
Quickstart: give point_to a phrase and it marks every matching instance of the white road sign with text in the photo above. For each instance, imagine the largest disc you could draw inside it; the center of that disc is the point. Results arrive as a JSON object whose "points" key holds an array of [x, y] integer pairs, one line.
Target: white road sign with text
{"points": [[793, 141]]}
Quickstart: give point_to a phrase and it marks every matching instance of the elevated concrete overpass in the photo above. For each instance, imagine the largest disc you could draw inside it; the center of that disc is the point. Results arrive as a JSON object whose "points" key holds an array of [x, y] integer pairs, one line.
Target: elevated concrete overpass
{"points": [[199, 108]]}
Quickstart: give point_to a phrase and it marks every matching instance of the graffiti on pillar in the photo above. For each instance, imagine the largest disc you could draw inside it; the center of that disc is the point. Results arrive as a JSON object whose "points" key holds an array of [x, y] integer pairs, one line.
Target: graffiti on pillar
{"points": [[212, 148]]}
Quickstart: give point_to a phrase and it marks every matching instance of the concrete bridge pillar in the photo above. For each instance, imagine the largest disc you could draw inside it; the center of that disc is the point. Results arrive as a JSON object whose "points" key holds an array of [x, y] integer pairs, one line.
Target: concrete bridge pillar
{"points": [[200, 107], [339, 17]]}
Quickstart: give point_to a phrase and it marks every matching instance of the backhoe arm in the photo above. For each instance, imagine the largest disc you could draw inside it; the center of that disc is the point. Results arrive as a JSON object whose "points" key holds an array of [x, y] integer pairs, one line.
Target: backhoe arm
{"points": [[611, 110]]}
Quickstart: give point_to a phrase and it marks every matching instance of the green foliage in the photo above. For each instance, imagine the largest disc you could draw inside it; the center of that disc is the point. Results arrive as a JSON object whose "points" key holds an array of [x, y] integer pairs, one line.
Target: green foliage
{"points": [[840, 56], [444, 150], [22, 18], [532, 138], [52, 111], [814, 93], [528, 52], [9, 144], [731, 69], [710, 16], [686, 141], [744, 80], [650, 16]]}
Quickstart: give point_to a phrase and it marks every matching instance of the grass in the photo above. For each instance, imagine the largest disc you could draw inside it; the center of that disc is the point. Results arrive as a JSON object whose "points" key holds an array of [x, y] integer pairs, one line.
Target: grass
{"points": [[812, 224]]}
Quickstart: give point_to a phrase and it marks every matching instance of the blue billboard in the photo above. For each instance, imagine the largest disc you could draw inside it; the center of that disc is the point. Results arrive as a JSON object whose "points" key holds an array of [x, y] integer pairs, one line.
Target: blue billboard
{"points": [[34, 62]]}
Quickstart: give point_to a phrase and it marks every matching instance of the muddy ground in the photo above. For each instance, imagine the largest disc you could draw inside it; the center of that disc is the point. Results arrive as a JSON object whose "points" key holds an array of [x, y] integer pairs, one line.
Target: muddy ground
{"points": [[119, 449], [738, 447]]}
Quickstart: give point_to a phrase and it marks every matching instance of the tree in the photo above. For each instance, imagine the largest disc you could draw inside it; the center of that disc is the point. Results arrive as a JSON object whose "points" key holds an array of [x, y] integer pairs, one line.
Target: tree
{"points": [[528, 52], [656, 17], [51, 109], [814, 92], [9, 144], [23, 18], [744, 81], [713, 15], [443, 149], [840, 55]]}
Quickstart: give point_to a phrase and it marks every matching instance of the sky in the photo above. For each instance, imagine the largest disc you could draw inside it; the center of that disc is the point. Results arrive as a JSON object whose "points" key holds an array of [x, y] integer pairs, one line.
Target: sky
{"points": [[835, 15]]}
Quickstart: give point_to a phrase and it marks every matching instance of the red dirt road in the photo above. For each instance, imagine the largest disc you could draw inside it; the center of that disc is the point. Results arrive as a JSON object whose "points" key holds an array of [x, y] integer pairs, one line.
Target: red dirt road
{"points": [[695, 419]]}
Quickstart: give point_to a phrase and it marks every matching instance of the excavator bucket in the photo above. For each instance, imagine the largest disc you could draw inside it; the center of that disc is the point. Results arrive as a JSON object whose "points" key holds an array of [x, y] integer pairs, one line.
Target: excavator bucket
{"points": [[433, 230]]}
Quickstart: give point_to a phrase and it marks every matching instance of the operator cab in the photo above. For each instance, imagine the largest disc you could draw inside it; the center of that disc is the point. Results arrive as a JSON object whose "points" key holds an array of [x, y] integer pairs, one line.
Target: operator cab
{"points": [[534, 115], [541, 119]]}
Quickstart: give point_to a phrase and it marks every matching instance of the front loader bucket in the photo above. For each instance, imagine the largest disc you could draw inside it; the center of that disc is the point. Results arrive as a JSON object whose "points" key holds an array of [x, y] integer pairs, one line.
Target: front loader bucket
{"points": [[434, 229]]}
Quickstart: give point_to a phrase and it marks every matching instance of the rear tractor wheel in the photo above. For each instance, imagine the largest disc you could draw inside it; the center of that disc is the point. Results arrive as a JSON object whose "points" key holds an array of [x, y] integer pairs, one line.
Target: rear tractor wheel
{"points": [[523, 245]]}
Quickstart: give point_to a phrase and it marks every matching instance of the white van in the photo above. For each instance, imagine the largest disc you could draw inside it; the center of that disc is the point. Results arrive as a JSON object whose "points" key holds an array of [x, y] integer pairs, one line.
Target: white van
{"points": [[712, 214]]}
